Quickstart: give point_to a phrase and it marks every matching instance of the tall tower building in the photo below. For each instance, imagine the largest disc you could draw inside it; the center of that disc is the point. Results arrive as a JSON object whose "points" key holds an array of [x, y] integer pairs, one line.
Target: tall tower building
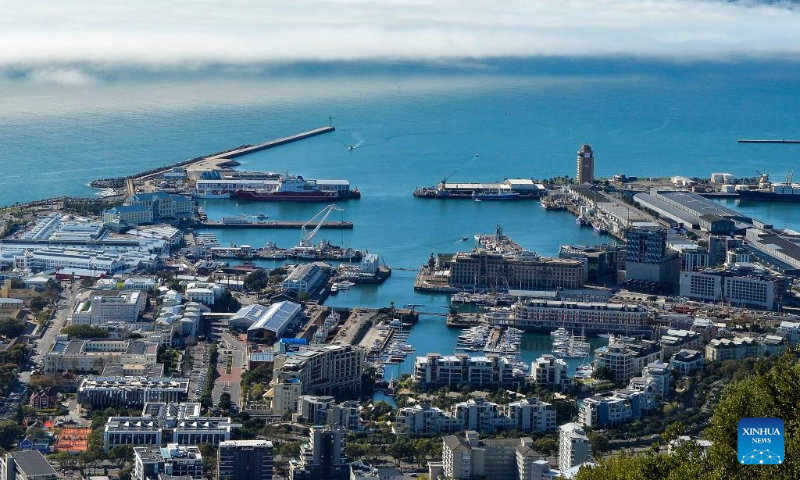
{"points": [[585, 170], [244, 460], [322, 458]]}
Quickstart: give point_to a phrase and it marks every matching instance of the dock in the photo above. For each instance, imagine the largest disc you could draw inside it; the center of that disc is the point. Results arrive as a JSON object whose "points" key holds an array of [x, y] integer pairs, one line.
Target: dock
{"points": [[756, 140], [276, 224]]}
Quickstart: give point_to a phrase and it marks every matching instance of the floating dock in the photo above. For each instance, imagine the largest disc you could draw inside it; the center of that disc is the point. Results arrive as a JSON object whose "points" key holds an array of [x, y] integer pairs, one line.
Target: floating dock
{"points": [[276, 224], [756, 140]]}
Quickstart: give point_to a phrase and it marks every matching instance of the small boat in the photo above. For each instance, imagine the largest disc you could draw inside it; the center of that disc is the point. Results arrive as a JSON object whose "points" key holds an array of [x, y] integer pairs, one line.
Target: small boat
{"points": [[605, 335], [464, 239], [351, 147], [496, 196], [343, 285], [476, 199], [334, 288]]}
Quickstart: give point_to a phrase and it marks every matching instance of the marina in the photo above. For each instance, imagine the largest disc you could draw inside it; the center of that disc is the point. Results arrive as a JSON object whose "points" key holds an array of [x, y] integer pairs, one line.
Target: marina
{"points": [[486, 339], [568, 345]]}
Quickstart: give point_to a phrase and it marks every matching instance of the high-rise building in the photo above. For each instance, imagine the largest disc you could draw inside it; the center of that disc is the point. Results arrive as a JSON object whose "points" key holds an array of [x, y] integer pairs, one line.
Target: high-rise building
{"points": [[585, 170], [244, 460], [650, 266], [323, 457], [573, 446]]}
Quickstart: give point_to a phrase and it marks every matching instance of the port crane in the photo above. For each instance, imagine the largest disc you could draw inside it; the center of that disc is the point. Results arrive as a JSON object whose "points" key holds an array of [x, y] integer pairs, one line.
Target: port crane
{"points": [[307, 238]]}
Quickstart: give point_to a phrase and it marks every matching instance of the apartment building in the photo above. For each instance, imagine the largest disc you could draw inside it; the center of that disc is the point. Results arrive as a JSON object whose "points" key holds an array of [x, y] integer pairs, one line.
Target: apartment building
{"points": [[592, 317], [455, 371], [174, 460], [245, 460], [483, 270], [626, 360], [573, 446], [550, 372], [470, 457], [324, 369]]}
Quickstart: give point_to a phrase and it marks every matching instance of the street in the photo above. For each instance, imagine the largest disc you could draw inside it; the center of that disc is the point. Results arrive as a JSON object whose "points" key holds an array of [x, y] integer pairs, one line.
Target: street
{"points": [[229, 382], [58, 320]]}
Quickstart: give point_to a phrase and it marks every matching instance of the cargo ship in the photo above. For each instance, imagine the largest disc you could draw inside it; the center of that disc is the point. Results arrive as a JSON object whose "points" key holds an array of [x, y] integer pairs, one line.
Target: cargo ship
{"points": [[777, 192], [298, 189]]}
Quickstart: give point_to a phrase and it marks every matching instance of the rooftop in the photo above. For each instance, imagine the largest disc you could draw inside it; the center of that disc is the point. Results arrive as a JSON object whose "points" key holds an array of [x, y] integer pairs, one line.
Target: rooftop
{"points": [[32, 463]]}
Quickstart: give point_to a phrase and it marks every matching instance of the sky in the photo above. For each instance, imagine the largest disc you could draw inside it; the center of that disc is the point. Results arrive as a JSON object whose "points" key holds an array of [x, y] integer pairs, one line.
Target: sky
{"points": [[70, 42]]}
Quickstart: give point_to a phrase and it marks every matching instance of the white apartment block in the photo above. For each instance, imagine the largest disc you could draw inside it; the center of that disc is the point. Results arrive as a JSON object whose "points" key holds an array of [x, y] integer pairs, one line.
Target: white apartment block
{"points": [[434, 371], [125, 306], [720, 349], [478, 414], [686, 362], [626, 360], [531, 415], [550, 372], [423, 419], [573, 446]]}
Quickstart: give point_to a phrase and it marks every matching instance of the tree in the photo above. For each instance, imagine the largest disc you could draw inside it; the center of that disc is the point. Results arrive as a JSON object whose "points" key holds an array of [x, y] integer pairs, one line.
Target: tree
{"points": [[120, 455], [599, 442], [603, 373], [226, 303], [770, 392], [209, 459], [225, 401], [256, 281], [547, 445], [673, 431], [37, 304], [11, 327], [84, 331], [10, 433]]}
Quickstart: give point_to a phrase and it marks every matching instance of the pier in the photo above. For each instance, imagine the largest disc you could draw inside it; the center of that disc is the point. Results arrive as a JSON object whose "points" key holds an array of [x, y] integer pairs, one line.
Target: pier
{"points": [[215, 162], [756, 140], [276, 224], [274, 143]]}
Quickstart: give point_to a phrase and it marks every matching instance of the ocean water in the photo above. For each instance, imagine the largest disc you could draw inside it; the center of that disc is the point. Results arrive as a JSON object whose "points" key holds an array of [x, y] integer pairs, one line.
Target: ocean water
{"points": [[412, 125]]}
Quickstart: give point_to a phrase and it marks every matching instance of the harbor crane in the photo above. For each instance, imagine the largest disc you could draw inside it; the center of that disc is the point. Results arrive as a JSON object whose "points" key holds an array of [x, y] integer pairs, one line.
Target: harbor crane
{"points": [[307, 238]]}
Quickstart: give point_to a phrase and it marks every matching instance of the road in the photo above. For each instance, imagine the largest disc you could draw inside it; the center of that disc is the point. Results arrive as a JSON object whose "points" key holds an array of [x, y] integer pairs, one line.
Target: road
{"points": [[57, 322], [229, 382]]}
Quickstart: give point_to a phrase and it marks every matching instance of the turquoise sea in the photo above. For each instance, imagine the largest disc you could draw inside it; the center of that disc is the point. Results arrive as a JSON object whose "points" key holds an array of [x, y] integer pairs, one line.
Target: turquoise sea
{"points": [[413, 125]]}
